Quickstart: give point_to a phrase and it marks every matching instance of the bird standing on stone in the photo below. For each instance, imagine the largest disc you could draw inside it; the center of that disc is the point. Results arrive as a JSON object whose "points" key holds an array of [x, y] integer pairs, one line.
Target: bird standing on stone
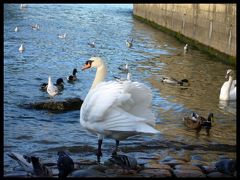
{"points": [[65, 164]]}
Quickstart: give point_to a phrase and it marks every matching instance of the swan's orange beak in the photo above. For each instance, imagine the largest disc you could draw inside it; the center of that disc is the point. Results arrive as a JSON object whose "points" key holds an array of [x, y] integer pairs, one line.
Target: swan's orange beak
{"points": [[86, 66]]}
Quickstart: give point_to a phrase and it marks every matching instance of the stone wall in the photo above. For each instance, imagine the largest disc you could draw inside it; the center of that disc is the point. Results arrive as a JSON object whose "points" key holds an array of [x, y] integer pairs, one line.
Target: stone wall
{"points": [[213, 25]]}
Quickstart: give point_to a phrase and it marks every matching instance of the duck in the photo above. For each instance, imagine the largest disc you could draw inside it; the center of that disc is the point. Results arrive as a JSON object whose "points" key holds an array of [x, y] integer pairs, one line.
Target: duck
{"points": [[228, 89], [62, 36], [73, 77], [124, 161], [59, 84], [31, 164], [195, 121], [16, 29], [116, 110], [65, 164], [21, 48], [124, 68], [35, 27], [185, 49], [51, 89], [171, 80], [129, 43], [92, 44]]}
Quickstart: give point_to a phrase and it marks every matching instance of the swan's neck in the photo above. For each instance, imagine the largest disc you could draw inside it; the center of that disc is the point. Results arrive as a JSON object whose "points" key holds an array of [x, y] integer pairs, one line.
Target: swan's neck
{"points": [[100, 75]]}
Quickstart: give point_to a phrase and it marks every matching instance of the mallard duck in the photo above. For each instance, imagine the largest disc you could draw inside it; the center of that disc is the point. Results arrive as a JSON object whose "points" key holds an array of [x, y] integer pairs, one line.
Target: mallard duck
{"points": [[59, 84], [73, 77], [171, 80], [129, 43], [124, 161], [195, 121]]}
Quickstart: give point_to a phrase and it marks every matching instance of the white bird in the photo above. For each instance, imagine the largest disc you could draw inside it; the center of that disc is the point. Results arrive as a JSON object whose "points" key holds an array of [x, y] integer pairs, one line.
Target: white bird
{"points": [[62, 36], [185, 48], [129, 43], [21, 48], [22, 6], [228, 89], [16, 29], [35, 27], [117, 110], [51, 89]]}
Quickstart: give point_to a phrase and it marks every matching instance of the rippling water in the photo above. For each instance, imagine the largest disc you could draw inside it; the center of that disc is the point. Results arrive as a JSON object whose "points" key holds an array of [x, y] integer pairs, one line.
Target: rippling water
{"points": [[153, 54]]}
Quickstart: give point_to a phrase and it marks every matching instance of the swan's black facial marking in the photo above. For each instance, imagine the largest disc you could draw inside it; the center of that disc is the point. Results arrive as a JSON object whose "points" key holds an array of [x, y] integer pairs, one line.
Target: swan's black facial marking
{"points": [[87, 65]]}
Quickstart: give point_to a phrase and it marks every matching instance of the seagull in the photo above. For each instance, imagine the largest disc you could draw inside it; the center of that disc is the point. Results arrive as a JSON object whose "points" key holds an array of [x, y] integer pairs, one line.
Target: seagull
{"points": [[65, 164], [31, 164], [35, 27], [51, 89], [21, 48], [59, 84], [129, 43], [23, 6], [185, 48], [62, 36], [16, 29]]}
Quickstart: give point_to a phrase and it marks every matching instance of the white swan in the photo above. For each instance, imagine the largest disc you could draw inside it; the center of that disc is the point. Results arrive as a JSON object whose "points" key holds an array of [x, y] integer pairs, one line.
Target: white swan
{"points": [[21, 48], [51, 89], [228, 90], [116, 109]]}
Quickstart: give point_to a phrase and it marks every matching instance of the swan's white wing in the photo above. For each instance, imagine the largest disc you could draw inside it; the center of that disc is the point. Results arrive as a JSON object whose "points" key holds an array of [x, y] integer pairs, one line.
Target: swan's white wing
{"points": [[118, 106], [234, 84]]}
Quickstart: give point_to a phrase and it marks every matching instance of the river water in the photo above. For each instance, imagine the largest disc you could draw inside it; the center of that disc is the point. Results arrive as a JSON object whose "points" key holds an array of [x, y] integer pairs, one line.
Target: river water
{"points": [[153, 55]]}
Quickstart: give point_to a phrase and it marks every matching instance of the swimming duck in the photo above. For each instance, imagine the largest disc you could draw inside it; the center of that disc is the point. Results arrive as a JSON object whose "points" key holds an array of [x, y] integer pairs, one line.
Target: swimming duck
{"points": [[124, 161], [51, 89], [21, 48], [129, 43], [65, 164], [92, 44], [171, 80], [195, 121], [73, 77], [62, 36], [59, 84], [228, 89], [185, 49], [117, 110], [35, 27]]}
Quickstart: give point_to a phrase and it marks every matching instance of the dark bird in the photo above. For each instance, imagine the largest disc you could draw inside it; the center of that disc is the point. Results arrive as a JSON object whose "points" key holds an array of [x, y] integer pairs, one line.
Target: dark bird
{"points": [[227, 166], [125, 162], [65, 164], [59, 84], [73, 77], [40, 169], [197, 122]]}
